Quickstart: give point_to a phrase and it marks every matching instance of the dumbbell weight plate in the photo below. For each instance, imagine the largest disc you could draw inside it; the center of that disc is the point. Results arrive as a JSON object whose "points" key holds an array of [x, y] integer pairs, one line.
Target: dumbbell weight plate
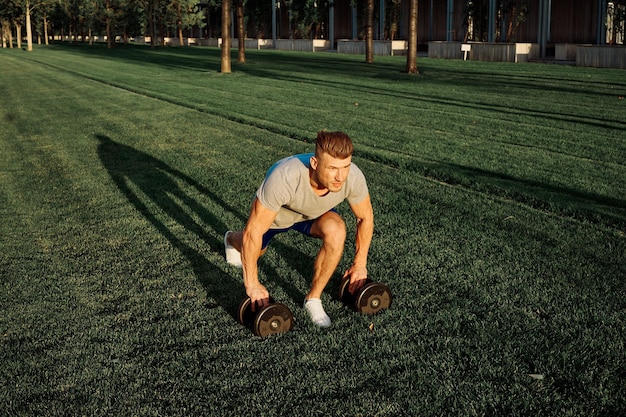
{"points": [[372, 298], [245, 316], [345, 295], [272, 319]]}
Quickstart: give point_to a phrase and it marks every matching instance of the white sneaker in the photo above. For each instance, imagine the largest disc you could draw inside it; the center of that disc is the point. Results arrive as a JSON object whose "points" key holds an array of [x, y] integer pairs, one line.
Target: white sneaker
{"points": [[318, 316], [233, 256]]}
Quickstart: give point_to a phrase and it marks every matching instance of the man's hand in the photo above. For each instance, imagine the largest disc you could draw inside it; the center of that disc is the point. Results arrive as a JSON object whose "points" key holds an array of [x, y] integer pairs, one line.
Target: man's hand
{"points": [[357, 275], [259, 296]]}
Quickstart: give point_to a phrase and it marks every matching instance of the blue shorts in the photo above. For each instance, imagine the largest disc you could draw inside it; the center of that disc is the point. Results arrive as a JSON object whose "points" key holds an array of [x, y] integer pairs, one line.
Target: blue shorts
{"points": [[302, 227]]}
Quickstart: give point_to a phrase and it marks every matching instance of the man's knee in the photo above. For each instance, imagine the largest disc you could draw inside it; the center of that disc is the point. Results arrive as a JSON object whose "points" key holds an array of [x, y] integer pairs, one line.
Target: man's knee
{"points": [[330, 228]]}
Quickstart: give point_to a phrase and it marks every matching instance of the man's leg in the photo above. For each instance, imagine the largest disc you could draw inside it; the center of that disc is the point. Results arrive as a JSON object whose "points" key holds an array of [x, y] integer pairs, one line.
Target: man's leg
{"points": [[331, 228], [232, 247], [234, 241]]}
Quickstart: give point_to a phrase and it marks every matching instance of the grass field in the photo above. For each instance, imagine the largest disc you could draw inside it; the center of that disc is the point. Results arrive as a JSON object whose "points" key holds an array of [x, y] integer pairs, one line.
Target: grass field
{"points": [[500, 200]]}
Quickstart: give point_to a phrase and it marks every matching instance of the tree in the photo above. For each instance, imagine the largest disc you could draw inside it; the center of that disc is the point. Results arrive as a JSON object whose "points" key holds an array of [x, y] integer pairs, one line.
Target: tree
{"points": [[309, 15], [117, 15], [241, 31], [509, 15], [616, 16], [26, 9], [393, 17], [29, 28], [17, 17], [476, 14], [150, 11], [184, 14], [176, 8], [130, 20], [411, 56], [57, 19], [225, 64], [260, 13], [72, 11], [5, 33], [109, 14], [42, 13], [515, 11], [11, 12], [369, 33]]}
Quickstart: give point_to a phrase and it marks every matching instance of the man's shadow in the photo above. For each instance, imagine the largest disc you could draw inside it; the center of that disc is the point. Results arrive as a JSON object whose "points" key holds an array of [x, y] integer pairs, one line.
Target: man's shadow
{"points": [[158, 191]]}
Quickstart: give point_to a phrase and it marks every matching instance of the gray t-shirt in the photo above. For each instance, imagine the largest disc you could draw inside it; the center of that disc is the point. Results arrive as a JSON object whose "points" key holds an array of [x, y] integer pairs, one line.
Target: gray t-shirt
{"points": [[287, 190]]}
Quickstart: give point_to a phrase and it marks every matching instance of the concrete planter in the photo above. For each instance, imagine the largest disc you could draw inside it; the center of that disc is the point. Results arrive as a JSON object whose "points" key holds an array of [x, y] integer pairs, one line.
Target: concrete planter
{"points": [[347, 46], [601, 56], [303, 45], [483, 51], [504, 52], [565, 51], [445, 50]]}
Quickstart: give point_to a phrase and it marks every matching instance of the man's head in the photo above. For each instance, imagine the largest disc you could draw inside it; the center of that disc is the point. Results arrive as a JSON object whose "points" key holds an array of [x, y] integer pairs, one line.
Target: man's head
{"points": [[331, 164], [336, 144]]}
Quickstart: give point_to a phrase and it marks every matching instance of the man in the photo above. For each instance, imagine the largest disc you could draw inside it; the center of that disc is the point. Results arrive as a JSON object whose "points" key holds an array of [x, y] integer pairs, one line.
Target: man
{"points": [[300, 193]]}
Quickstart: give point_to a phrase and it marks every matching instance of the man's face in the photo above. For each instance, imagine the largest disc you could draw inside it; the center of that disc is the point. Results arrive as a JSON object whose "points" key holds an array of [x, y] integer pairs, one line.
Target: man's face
{"points": [[329, 173]]}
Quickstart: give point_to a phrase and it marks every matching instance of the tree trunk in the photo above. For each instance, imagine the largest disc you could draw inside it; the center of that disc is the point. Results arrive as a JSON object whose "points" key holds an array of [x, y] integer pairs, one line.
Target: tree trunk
{"points": [[152, 14], [10, 38], [241, 33], [411, 56], [29, 29], [18, 33], [5, 33], [179, 24], [108, 31], [509, 32], [225, 68], [369, 33], [107, 6]]}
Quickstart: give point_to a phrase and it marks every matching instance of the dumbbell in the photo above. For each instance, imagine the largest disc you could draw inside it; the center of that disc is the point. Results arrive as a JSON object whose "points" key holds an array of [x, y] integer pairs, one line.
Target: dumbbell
{"points": [[272, 319], [371, 298]]}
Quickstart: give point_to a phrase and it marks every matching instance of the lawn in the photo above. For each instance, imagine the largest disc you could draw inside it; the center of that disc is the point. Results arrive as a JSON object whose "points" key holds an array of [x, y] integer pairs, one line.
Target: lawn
{"points": [[500, 200]]}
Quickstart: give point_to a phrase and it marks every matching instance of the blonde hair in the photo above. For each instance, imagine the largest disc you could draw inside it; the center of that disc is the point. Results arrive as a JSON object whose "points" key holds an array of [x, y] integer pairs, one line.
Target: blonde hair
{"points": [[336, 144]]}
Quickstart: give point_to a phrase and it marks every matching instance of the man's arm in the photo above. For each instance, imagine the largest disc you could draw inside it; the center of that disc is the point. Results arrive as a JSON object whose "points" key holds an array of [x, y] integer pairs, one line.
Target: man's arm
{"points": [[259, 222], [364, 214]]}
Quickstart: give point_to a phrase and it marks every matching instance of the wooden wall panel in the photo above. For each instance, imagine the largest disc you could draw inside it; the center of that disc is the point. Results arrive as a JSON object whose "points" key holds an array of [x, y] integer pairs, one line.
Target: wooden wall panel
{"points": [[574, 21]]}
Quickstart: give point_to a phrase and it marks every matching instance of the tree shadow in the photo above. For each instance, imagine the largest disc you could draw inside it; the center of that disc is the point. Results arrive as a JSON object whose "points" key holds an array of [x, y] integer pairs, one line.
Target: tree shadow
{"points": [[159, 192]]}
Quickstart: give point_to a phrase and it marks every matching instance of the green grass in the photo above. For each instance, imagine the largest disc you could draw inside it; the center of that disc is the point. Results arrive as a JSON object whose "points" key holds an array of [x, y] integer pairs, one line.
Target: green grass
{"points": [[500, 207]]}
